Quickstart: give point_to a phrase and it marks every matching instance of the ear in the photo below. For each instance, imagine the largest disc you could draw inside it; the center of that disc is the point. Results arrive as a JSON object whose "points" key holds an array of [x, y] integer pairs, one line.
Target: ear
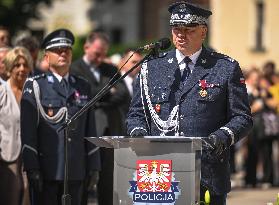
{"points": [[204, 32], [46, 57]]}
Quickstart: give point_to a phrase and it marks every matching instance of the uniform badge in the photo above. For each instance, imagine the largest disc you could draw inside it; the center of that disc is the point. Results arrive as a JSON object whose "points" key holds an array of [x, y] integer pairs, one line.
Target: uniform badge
{"points": [[50, 112], [203, 61], [170, 60], [158, 108], [50, 79], [154, 182]]}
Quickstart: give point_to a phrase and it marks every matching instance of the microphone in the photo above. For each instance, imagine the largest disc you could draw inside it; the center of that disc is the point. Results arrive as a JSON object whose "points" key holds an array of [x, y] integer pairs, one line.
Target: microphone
{"points": [[162, 44]]}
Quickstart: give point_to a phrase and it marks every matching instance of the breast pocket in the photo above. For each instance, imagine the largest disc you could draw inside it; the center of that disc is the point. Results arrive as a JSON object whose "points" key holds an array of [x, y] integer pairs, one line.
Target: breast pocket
{"points": [[51, 105], [213, 99], [161, 105]]}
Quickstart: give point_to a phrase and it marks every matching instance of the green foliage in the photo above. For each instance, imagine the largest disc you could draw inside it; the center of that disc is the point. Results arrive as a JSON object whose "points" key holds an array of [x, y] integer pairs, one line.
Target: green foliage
{"points": [[78, 47], [14, 14]]}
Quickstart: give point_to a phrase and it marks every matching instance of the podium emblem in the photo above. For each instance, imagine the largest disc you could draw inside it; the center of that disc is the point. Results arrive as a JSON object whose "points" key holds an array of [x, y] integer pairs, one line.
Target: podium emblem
{"points": [[154, 182]]}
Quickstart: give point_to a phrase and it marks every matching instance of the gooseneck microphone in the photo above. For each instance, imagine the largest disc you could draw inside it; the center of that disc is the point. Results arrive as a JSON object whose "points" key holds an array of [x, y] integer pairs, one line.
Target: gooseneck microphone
{"points": [[161, 44]]}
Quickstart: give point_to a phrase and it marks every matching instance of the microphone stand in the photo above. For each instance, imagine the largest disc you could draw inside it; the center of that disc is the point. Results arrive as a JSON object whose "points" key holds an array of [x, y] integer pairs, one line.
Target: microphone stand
{"points": [[66, 197]]}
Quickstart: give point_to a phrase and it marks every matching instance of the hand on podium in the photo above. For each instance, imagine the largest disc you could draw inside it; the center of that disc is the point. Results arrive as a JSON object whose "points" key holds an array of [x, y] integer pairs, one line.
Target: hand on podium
{"points": [[35, 179], [139, 133], [218, 144]]}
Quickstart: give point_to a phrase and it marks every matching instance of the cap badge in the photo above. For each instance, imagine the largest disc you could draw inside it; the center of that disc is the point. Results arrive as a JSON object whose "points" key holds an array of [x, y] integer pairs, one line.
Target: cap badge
{"points": [[62, 34], [203, 61]]}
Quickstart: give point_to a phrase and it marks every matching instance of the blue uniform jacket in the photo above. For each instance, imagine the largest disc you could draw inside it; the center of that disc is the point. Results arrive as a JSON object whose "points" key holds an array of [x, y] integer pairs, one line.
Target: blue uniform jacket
{"points": [[224, 105], [42, 146]]}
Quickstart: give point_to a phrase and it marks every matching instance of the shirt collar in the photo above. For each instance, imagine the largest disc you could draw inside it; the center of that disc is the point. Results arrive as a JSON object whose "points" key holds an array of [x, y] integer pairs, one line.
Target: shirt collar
{"points": [[59, 77], [194, 57]]}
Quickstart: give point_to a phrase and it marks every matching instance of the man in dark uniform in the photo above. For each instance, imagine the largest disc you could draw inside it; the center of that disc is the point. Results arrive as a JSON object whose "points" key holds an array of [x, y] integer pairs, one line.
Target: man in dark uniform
{"points": [[47, 101], [191, 91]]}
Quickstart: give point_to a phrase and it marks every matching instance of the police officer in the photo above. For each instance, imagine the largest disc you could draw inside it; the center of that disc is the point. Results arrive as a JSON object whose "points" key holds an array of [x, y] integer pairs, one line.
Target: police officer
{"points": [[47, 101], [191, 91]]}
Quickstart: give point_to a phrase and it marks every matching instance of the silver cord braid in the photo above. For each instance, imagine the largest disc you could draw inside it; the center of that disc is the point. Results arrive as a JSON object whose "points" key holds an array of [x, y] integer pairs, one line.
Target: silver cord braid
{"points": [[59, 116]]}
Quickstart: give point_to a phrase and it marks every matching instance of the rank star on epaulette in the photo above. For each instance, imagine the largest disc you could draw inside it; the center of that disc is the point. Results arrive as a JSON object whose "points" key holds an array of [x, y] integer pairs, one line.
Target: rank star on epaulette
{"points": [[170, 60], [28, 90]]}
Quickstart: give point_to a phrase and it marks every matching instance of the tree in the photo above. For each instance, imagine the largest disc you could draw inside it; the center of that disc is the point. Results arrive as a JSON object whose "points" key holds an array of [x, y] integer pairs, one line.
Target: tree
{"points": [[14, 14]]}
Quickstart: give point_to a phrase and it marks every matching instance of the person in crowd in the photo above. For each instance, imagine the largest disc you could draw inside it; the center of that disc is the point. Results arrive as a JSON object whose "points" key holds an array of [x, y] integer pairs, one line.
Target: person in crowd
{"points": [[129, 59], [202, 92], [269, 71], [31, 43], [18, 64], [92, 67], [3, 73], [4, 37], [257, 104], [48, 101]]}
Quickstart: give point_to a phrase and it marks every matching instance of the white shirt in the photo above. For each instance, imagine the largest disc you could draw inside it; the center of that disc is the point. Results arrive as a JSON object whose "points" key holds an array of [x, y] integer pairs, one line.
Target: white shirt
{"points": [[129, 83], [194, 57], [10, 141], [59, 77], [93, 69], [2, 81]]}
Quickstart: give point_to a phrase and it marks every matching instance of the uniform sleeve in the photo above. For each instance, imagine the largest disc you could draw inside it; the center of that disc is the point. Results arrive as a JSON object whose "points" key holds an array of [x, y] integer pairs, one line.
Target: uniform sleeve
{"points": [[29, 123], [238, 110], [137, 117]]}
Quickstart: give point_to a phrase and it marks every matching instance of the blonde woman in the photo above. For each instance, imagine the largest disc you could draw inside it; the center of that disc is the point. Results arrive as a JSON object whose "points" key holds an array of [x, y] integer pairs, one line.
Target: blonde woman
{"points": [[18, 63]]}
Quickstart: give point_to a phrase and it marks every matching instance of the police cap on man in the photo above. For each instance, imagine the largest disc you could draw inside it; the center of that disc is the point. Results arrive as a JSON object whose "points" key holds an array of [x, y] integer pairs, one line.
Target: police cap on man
{"points": [[186, 14], [58, 38]]}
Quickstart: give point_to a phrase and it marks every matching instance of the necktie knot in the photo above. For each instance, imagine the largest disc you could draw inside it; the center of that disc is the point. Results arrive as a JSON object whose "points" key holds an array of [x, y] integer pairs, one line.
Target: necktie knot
{"points": [[64, 84], [187, 60], [186, 71]]}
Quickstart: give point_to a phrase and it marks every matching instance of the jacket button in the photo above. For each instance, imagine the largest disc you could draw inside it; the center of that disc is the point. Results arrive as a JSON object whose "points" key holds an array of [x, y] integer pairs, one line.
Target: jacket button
{"points": [[181, 133], [181, 117], [69, 139]]}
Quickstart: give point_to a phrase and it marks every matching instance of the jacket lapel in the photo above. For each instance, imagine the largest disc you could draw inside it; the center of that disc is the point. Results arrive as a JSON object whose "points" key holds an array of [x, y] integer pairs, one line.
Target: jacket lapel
{"points": [[88, 73]]}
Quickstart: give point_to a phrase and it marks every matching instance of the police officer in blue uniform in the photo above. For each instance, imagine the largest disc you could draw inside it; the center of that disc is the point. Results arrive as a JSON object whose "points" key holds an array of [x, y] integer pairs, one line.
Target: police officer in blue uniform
{"points": [[47, 101], [192, 91]]}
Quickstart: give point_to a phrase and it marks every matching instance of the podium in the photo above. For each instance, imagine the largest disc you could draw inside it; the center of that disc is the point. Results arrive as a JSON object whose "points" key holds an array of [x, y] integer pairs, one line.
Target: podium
{"points": [[155, 170]]}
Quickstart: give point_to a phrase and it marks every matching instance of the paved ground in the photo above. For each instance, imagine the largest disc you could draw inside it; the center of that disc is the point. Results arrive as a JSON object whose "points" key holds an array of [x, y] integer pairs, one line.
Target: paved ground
{"points": [[252, 196]]}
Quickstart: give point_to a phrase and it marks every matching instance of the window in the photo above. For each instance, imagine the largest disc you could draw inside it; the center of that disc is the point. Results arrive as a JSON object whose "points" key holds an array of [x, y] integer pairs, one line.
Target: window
{"points": [[116, 34], [260, 7]]}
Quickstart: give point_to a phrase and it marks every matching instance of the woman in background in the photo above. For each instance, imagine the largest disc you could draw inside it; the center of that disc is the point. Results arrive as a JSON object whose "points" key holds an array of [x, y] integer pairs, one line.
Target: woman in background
{"points": [[18, 63]]}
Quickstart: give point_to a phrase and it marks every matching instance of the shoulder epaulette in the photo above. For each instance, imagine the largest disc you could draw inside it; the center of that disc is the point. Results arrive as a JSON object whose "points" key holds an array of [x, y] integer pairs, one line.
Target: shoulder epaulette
{"points": [[75, 78], [221, 55], [36, 77]]}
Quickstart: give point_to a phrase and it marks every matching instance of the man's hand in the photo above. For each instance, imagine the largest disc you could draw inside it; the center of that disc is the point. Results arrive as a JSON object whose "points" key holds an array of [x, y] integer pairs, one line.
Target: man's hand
{"points": [[35, 180], [218, 144], [139, 133]]}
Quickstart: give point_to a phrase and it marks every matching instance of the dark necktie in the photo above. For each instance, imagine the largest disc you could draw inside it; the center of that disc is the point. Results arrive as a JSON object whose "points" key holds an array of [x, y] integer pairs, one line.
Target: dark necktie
{"points": [[186, 71], [65, 85]]}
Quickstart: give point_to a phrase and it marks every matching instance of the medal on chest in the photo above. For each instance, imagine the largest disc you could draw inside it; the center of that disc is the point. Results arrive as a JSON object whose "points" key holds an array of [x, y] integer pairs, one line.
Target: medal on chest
{"points": [[203, 93]]}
